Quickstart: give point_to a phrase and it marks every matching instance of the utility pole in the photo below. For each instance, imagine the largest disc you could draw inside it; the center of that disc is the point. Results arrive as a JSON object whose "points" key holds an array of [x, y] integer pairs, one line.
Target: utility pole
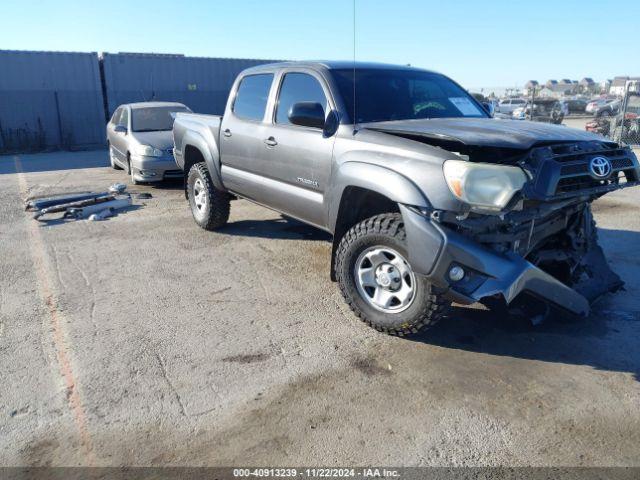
{"points": [[533, 96]]}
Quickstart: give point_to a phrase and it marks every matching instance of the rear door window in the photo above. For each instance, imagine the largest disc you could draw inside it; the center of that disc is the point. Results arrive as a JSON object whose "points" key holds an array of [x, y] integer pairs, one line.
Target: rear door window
{"points": [[154, 119], [251, 100]]}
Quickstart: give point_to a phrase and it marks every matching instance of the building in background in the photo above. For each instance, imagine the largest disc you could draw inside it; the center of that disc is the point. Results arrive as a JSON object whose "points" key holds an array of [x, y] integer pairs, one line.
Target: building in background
{"points": [[587, 86], [532, 86], [618, 85]]}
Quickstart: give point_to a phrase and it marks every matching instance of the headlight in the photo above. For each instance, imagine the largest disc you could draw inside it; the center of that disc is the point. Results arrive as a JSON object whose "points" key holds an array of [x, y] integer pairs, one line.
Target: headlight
{"points": [[147, 151], [483, 185]]}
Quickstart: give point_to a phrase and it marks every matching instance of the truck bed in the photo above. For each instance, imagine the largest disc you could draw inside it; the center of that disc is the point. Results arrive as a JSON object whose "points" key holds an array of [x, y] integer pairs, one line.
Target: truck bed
{"points": [[195, 128]]}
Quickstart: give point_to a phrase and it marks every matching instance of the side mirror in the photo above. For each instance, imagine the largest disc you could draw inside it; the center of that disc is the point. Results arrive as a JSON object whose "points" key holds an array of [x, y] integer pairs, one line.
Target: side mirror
{"points": [[488, 106], [307, 114], [120, 129]]}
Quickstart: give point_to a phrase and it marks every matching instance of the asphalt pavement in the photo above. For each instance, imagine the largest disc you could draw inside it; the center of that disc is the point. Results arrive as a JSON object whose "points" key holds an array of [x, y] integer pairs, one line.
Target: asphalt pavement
{"points": [[144, 340]]}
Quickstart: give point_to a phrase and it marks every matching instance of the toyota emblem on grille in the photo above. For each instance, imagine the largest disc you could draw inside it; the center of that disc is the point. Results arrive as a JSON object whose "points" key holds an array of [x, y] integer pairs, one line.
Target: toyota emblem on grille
{"points": [[600, 167]]}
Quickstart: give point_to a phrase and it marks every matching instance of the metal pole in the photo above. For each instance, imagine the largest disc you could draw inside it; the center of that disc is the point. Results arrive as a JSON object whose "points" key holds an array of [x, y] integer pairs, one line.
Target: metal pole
{"points": [[55, 96], [533, 96], [623, 111]]}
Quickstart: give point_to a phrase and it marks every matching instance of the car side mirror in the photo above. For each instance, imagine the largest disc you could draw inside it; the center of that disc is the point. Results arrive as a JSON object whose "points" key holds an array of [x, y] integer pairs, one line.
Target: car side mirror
{"points": [[120, 129], [307, 114], [488, 106]]}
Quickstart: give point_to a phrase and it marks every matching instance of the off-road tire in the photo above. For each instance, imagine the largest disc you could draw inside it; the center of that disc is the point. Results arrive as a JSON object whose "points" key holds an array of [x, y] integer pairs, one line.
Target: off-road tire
{"points": [[215, 213], [427, 307]]}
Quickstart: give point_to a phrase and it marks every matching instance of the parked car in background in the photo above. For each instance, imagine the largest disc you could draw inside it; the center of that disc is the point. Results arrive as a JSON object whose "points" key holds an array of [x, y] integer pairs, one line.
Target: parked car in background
{"points": [[576, 105], [627, 130], [140, 140], [508, 105], [565, 107], [603, 107], [546, 110]]}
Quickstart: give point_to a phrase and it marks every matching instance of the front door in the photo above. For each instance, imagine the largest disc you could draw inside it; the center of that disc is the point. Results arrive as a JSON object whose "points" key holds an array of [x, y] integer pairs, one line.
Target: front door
{"points": [[299, 158]]}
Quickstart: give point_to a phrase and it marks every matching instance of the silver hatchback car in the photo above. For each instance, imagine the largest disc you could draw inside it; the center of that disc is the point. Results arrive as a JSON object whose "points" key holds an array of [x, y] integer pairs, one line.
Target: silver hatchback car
{"points": [[140, 140]]}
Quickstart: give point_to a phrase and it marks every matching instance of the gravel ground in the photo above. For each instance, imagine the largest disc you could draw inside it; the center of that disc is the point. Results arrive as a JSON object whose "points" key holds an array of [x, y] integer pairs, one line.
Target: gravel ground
{"points": [[144, 340]]}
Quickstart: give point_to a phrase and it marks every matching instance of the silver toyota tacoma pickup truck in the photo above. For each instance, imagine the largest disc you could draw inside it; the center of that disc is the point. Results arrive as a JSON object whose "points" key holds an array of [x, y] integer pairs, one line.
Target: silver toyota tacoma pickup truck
{"points": [[429, 199]]}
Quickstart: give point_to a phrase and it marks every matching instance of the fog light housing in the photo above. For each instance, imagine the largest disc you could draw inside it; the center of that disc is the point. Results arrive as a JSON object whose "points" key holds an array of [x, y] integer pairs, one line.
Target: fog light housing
{"points": [[147, 173], [456, 273]]}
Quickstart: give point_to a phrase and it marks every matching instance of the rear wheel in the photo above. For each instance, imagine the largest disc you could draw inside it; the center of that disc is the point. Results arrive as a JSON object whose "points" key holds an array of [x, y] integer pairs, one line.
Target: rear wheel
{"points": [[378, 282], [209, 206]]}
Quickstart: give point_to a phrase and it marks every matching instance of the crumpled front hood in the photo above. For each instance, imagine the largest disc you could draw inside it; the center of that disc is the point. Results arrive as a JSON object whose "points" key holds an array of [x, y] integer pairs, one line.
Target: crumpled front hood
{"points": [[487, 132], [160, 140]]}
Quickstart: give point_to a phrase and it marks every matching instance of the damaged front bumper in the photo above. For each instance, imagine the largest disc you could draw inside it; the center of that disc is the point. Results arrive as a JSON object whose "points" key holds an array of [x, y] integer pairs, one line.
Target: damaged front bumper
{"points": [[435, 249]]}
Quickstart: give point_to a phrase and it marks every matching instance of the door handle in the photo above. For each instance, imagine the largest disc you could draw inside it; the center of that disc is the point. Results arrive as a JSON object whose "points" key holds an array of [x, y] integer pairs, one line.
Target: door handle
{"points": [[227, 133], [271, 142]]}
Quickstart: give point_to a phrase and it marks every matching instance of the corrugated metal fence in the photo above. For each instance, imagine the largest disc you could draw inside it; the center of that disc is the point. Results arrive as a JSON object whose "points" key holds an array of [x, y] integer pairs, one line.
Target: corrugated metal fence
{"points": [[202, 84], [62, 100], [50, 99]]}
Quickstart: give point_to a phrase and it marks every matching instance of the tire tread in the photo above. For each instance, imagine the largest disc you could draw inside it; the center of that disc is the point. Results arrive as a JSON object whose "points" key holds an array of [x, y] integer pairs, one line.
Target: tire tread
{"points": [[219, 201], [390, 224]]}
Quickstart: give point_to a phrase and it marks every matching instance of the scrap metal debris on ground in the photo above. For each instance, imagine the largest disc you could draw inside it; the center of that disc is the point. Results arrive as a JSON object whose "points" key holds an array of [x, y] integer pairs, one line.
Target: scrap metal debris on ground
{"points": [[83, 205]]}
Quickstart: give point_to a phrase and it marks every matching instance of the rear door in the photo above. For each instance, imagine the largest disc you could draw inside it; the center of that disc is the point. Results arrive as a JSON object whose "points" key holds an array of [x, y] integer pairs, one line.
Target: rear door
{"points": [[242, 135]]}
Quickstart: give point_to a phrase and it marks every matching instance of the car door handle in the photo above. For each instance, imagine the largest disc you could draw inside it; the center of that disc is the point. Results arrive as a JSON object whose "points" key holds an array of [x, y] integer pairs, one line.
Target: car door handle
{"points": [[271, 142], [227, 133]]}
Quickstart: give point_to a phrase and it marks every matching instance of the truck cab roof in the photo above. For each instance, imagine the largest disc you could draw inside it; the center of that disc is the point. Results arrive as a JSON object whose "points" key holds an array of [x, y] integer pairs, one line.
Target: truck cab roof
{"points": [[331, 65]]}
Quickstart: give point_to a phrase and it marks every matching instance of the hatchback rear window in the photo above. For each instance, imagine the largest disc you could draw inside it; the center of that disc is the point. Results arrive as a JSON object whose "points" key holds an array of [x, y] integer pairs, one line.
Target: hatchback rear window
{"points": [[154, 119]]}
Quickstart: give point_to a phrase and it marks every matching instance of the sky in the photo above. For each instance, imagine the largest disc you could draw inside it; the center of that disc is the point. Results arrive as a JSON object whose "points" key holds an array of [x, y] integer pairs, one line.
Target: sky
{"points": [[478, 43]]}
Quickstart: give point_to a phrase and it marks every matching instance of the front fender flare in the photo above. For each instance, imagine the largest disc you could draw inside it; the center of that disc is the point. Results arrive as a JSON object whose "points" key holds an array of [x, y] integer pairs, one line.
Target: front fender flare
{"points": [[393, 185]]}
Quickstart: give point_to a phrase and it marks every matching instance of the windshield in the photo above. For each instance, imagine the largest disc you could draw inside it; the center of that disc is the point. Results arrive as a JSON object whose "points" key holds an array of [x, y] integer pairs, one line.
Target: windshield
{"points": [[384, 94], [154, 119]]}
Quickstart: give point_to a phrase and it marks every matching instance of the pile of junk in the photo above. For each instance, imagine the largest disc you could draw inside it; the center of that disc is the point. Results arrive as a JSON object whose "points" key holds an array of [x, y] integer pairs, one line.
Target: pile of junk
{"points": [[83, 205]]}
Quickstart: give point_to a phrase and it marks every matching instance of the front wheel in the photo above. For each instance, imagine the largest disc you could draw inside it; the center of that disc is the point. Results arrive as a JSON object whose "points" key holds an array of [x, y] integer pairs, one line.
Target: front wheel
{"points": [[378, 282], [130, 172], [209, 206]]}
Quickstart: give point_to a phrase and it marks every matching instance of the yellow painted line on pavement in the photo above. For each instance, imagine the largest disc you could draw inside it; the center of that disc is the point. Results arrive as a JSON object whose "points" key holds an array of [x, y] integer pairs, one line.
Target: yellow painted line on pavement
{"points": [[42, 268]]}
